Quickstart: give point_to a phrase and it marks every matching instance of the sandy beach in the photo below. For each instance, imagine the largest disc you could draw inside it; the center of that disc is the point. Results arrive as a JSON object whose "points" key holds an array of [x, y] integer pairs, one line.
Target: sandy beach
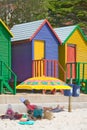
{"points": [[75, 120]]}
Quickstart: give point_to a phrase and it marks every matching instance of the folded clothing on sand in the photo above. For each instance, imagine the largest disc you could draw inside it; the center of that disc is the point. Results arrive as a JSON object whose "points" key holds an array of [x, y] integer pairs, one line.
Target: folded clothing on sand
{"points": [[57, 110]]}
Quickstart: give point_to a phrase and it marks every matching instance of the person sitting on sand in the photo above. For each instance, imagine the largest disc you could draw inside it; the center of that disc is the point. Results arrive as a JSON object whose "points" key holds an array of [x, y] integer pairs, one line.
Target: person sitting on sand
{"points": [[9, 112]]}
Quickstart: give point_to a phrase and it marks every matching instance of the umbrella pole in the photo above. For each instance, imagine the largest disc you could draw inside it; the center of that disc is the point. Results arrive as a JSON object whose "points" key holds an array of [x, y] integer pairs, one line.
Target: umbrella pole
{"points": [[70, 106], [70, 98]]}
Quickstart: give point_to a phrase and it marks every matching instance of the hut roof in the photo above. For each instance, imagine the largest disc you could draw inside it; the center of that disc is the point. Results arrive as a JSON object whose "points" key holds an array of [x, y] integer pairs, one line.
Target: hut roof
{"points": [[7, 29], [65, 33], [27, 31]]}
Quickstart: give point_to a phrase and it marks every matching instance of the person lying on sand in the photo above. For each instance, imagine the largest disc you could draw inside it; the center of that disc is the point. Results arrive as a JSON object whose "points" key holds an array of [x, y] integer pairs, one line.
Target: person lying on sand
{"points": [[32, 107], [38, 111]]}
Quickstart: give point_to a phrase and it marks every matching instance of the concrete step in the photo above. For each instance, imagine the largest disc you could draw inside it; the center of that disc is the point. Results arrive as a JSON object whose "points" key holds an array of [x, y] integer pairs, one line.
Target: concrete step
{"points": [[41, 100]]}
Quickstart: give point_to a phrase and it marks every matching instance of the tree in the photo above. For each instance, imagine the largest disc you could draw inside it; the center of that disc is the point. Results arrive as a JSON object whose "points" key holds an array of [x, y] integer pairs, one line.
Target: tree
{"points": [[66, 12], [58, 12], [20, 11]]}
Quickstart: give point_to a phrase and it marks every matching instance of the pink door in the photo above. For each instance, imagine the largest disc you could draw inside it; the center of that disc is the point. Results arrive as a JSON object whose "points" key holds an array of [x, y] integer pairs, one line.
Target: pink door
{"points": [[71, 57]]}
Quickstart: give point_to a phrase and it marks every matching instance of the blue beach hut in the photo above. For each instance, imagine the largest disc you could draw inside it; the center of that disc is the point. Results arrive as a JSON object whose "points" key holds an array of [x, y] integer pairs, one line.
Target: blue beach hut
{"points": [[34, 50]]}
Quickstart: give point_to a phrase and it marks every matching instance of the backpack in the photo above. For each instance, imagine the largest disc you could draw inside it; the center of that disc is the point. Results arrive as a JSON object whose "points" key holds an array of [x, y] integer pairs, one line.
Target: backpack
{"points": [[38, 113]]}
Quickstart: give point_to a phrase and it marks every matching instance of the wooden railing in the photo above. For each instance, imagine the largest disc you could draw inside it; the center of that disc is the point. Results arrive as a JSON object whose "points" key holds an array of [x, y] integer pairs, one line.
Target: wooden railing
{"points": [[47, 68], [77, 71], [9, 75]]}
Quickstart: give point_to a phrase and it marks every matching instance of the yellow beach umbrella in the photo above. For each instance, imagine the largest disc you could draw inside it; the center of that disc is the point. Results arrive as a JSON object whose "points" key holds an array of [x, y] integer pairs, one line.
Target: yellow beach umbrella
{"points": [[43, 82]]}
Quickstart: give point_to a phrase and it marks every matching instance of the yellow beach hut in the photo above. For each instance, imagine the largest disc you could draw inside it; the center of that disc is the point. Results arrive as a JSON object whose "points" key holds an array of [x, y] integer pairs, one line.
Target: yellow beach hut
{"points": [[73, 53]]}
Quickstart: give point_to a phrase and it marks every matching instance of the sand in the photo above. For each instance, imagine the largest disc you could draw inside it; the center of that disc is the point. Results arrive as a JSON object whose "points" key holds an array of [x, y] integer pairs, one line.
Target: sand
{"points": [[75, 120]]}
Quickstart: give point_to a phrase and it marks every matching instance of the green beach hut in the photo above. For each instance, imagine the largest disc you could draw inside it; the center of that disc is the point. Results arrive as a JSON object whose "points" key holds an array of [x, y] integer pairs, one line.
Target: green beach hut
{"points": [[5, 57]]}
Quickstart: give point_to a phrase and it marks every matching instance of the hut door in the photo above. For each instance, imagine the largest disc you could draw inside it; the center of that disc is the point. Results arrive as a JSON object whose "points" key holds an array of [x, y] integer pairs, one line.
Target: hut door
{"points": [[71, 57], [39, 55]]}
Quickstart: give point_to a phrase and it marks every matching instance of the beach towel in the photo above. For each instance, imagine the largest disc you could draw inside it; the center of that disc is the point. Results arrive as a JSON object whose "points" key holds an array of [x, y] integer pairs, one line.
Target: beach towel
{"points": [[30, 122]]}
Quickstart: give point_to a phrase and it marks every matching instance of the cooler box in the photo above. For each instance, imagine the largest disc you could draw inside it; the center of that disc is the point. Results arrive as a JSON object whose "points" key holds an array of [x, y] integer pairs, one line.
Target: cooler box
{"points": [[69, 92], [76, 90]]}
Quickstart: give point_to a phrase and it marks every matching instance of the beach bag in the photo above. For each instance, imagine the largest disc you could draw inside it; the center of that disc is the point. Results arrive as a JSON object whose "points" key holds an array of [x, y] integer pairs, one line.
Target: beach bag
{"points": [[48, 115], [38, 113]]}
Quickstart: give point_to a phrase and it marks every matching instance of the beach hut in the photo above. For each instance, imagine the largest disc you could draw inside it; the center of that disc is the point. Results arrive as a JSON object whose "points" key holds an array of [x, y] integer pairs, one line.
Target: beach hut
{"points": [[73, 52], [5, 58], [34, 50]]}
